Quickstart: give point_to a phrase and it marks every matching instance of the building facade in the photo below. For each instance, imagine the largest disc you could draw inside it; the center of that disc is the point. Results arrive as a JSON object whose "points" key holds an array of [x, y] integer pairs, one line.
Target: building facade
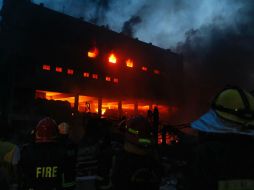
{"points": [[49, 58]]}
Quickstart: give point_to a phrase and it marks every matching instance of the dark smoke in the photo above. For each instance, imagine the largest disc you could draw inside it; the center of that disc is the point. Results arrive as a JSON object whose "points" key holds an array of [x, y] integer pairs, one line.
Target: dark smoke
{"points": [[129, 25]]}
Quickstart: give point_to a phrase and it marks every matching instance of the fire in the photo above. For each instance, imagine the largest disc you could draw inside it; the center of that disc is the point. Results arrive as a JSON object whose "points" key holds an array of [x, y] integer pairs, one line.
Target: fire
{"points": [[112, 58], [129, 63], [93, 53]]}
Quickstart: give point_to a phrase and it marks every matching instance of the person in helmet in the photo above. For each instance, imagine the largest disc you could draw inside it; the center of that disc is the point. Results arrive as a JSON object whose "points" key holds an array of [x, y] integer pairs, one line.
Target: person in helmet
{"points": [[71, 155], [223, 159], [42, 162], [9, 157], [137, 166]]}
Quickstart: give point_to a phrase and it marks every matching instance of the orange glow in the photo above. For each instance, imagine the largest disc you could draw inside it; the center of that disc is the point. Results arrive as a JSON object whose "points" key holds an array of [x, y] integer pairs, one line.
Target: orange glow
{"points": [[116, 80], [94, 76], [93, 53], [70, 71], [46, 67], [59, 69], [85, 74], [112, 58], [129, 63], [88, 104], [108, 79], [157, 72], [103, 110], [55, 96], [144, 68]]}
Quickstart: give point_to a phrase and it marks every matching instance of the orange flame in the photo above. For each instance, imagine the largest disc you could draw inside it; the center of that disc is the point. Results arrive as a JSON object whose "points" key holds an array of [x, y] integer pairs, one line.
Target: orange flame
{"points": [[129, 63], [93, 53], [112, 58]]}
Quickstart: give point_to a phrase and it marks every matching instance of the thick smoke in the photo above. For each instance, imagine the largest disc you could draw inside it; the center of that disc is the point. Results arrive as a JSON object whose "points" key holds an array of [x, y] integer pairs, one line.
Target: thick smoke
{"points": [[164, 22]]}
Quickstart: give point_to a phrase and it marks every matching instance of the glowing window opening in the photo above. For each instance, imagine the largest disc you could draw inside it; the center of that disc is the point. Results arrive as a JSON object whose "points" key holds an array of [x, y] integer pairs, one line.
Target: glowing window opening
{"points": [[144, 68], [108, 79], [46, 67], [95, 76], [93, 53], [70, 71], [112, 58], [115, 80], [59, 69], [49, 95], [85, 74], [129, 63], [88, 104], [157, 72]]}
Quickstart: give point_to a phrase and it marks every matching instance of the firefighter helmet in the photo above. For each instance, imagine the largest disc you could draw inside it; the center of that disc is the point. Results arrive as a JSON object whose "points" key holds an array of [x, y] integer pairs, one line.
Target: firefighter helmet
{"points": [[235, 105], [138, 131], [63, 128], [46, 130]]}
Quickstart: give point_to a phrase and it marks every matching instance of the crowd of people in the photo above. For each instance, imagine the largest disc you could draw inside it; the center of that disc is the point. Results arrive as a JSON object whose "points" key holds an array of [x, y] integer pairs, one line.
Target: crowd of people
{"points": [[125, 155]]}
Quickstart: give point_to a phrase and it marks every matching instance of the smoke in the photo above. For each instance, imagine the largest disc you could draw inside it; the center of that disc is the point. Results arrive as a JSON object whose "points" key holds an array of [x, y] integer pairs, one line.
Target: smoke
{"points": [[164, 22], [130, 24]]}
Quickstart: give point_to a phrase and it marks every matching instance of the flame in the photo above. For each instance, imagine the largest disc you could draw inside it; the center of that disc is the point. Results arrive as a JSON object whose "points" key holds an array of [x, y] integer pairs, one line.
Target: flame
{"points": [[129, 63], [103, 110], [112, 58], [93, 53]]}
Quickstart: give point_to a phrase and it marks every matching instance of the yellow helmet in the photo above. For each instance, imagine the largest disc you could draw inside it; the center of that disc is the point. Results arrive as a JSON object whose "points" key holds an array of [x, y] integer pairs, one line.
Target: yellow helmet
{"points": [[236, 105]]}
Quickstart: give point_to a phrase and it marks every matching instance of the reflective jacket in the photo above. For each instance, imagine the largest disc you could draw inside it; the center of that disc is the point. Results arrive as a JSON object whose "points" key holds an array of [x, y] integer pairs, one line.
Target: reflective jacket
{"points": [[42, 166]]}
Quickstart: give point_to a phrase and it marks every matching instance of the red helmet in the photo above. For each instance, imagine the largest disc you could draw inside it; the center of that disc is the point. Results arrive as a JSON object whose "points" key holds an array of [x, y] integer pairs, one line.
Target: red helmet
{"points": [[46, 130], [139, 131]]}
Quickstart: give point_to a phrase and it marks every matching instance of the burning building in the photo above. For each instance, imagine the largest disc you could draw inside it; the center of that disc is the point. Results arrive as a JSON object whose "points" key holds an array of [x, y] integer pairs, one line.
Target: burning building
{"points": [[52, 61]]}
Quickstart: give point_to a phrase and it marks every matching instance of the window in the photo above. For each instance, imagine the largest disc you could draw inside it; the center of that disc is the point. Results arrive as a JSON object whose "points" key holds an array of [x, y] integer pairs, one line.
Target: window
{"points": [[93, 53], [95, 76], [129, 63], [116, 80], [144, 68], [70, 71], [59, 69], [112, 58], [157, 72], [108, 79], [46, 67], [85, 74]]}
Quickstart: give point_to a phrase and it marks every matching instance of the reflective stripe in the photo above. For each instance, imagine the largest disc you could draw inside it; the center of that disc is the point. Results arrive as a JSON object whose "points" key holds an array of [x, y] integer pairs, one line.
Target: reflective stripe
{"points": [[144, 141], [241, 184], [69, 184], [133, 131]]}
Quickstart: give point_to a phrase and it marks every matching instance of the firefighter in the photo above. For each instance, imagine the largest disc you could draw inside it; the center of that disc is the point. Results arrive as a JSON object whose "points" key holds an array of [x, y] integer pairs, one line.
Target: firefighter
{"points": [[42, 162], [223, 159], [137, 166], [71, 155], [9, 157]]}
